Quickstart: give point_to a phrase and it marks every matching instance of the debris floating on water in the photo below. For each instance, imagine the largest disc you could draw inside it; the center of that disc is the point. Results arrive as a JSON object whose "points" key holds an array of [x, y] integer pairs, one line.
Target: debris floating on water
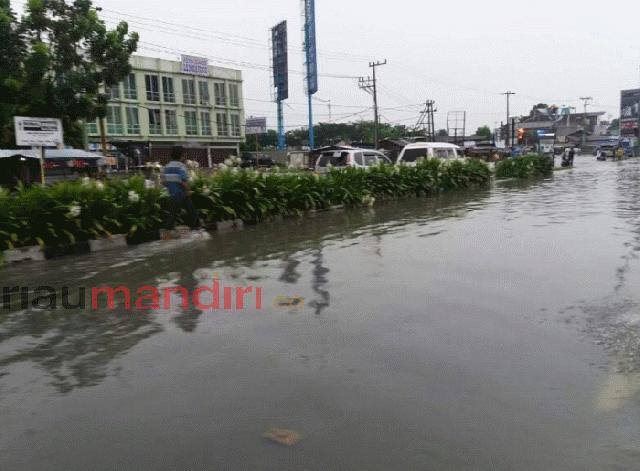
{"points": [[283, 436]]}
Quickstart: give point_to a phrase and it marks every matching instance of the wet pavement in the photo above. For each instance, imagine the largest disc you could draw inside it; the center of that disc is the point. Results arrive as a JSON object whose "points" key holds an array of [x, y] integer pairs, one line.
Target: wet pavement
{"points": [[493, 330]]}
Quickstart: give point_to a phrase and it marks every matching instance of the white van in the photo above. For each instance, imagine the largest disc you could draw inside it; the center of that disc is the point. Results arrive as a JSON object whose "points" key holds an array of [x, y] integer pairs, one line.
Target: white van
{"points": [[428, 150], [358, 158]]}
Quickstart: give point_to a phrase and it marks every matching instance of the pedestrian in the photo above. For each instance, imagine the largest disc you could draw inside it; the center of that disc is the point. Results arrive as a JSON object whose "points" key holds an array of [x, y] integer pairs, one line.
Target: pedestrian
{"points": [[572, 155], [176, 180]]}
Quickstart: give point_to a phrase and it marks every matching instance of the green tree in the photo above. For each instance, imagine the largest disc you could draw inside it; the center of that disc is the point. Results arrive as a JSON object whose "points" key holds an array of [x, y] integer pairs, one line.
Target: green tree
{"points": [[12, 51], [484, 131], [69, 54]]}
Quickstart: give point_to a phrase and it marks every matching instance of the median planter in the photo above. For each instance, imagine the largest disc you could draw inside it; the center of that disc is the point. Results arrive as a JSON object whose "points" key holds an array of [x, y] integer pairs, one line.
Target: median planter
{"points": [[117, 241], [24, 254]]}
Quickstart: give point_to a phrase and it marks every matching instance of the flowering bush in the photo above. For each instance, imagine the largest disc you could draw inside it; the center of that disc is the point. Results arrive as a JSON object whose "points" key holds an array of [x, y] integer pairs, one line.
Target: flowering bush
{"points": [[71, 212]]}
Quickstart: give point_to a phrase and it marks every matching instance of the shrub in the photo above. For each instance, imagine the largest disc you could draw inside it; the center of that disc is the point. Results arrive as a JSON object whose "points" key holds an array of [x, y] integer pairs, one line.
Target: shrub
{"points": [[72, 212], [528, 166]]}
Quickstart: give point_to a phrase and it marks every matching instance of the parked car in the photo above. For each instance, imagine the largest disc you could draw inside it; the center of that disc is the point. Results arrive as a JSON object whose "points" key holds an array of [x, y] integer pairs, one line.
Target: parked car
{"points": [[428, 150], [357, 158], [252, 160]]}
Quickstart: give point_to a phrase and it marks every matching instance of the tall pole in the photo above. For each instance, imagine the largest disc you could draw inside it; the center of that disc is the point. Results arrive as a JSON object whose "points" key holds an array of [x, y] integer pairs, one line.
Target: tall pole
{"points": [[376, 131], [508, 95], [586, 100], [281, 137], [312, 139]]}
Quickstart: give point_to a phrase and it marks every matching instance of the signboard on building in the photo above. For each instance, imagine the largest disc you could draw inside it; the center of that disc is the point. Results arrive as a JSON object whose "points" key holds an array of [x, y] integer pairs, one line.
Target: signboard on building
{"points": [[280, 47], [193, 65], [311, 54], [38, 132], [256, 126], [629, 113]]}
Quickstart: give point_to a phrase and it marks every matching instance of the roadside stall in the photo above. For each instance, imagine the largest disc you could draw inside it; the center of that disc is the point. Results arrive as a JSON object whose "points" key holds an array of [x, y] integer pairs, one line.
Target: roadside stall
{"points": [[69, 164], [19, 166]]}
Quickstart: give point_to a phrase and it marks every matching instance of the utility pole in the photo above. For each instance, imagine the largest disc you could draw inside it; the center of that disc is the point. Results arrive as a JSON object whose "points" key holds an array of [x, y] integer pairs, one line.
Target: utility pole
{"points": [[426, 122], [369, 85], [328, 102], [586, 100], [508, 95]]}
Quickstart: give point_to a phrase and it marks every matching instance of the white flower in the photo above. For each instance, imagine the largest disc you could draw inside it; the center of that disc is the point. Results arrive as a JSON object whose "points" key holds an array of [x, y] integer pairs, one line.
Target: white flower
{"points": [[206, 190], [86, 181], [148, 184], [133, 196], [74, 210], [99, 185], [228, 162]]}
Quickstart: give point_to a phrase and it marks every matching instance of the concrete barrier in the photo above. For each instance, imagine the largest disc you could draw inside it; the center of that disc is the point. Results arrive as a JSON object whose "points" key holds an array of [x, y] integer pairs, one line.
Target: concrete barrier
{"points": [[24, 254], [117, 241]]}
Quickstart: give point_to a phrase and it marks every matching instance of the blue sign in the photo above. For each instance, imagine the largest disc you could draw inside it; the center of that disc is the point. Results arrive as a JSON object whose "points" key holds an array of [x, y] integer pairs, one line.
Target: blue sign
{"points": [[280, 60], [310, 46]]}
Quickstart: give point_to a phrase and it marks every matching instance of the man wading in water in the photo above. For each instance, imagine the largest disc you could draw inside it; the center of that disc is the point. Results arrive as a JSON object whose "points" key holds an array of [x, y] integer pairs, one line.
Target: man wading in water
{"points": [[176, 180]]}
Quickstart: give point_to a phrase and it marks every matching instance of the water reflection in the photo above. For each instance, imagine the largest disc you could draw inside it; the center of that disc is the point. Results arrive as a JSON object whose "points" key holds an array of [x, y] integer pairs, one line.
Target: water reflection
{"points": [[77, 349], [319, 283]]}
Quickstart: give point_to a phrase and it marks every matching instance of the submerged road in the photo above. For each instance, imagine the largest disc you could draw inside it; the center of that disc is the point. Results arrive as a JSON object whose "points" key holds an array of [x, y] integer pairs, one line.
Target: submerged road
{"points": [[492, 330]]}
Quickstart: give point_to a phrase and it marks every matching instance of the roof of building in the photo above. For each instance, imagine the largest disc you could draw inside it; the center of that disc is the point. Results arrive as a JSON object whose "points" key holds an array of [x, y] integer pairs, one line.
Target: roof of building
{"points": [[71, 154], [27, 153]]}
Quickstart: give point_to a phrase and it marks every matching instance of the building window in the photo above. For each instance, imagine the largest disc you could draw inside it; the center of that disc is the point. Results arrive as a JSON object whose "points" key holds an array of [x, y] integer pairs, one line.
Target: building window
{"points": [[235, 125], [221, 94], [191, 123], [155, 125], [133, 121], [171, 121], [129, 85], [189, 91], [92, 127], [114, 120], [203, 89], [222, 124], [113, 92], [153, 87], [234, 95], [205, 119], [168, 93]]}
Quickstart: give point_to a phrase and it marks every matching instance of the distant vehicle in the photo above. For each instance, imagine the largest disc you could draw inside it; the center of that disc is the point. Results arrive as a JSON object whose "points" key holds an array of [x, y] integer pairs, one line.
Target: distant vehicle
{"points": [[251, 160], [428, 150], [357, 158], [486, 153], [605, 152]]}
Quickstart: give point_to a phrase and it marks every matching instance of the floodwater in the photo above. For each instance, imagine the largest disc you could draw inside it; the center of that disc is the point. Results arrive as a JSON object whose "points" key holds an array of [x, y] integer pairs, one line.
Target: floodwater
{"points": [[492, 330]]}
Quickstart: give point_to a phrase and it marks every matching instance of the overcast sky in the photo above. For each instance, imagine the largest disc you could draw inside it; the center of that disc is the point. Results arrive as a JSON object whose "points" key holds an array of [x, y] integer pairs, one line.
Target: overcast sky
{"points": [[460, 54]]}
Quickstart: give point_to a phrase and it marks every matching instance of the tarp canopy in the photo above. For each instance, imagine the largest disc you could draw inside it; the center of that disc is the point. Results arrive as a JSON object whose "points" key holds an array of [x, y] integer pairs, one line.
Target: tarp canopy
{"points": [[50, 154], [26, 153], [70, 154]]}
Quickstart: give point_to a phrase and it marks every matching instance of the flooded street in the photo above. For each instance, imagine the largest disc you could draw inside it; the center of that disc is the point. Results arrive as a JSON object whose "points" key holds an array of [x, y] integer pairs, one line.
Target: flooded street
{"points": [[492, 330]]}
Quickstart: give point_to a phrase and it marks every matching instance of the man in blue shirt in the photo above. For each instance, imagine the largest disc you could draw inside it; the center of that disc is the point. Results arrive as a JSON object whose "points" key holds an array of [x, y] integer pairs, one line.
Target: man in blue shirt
{"points": [[176, 180]]}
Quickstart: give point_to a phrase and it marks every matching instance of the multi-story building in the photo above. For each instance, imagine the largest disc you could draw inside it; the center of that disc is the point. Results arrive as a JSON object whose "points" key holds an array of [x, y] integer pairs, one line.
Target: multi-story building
{"points": [[163, 103]]}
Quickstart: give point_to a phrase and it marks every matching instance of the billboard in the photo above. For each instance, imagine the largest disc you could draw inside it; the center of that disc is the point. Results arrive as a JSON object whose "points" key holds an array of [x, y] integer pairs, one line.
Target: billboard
{"points": [[280, 62], [37, 132], [629, 113], [193, 65], [256, 125], [311, 54]]}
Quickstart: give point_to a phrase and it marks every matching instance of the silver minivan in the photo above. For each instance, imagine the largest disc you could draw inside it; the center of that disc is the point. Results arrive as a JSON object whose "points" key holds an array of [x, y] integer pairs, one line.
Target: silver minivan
{"points": [[357, 158], [412, 153]]}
